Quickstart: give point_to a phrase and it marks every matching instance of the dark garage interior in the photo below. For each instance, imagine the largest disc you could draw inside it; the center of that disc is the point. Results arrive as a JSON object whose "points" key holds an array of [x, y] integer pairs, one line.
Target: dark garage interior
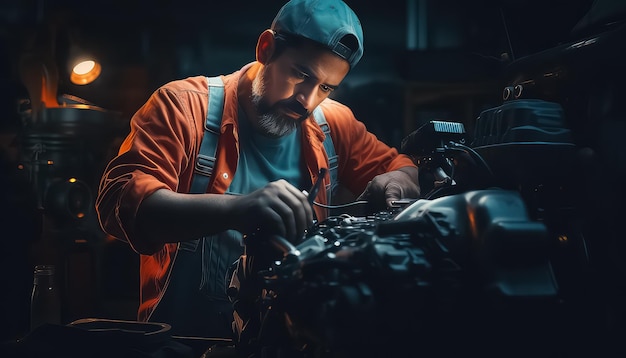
{"points": [[447, 60]]}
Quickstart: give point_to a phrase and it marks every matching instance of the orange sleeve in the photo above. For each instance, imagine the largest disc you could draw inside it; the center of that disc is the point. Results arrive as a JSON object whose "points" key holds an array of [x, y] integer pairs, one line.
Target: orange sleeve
{"points": [[156, 154]]}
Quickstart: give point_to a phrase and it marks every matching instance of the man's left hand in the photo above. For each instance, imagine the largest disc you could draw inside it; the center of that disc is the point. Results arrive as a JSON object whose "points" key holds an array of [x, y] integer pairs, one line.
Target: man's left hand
{"points": [[388, 187]]}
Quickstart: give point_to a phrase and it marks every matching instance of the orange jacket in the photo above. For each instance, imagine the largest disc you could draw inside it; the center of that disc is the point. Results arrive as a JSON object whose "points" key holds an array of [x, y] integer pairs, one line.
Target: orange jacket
{"points": [[160, 152]]}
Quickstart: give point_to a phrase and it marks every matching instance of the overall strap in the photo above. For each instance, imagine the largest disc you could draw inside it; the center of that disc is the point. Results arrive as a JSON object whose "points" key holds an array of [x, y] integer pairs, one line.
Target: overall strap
{"points": [[208, 147], [330, 152], [195, 285]]}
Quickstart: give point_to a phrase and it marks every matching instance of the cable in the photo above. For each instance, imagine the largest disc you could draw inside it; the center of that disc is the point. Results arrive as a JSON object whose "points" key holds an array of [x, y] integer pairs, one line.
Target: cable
{"points": [[506, 31], [340, 206], [358, 202], [473, 154]]}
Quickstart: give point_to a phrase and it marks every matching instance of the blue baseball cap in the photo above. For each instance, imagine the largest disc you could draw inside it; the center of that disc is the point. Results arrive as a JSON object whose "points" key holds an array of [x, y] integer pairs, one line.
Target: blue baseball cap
{"points": [[329, 22]]}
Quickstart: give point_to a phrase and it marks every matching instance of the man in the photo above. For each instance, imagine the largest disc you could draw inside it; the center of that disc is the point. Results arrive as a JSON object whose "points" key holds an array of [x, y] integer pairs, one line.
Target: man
{"points": [[270, 151]]}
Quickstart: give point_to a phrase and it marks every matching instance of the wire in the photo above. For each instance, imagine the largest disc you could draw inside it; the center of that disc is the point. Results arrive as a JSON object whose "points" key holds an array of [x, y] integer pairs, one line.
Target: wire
{"points": [[358, 202], [340, 206], [506, 31], [474, 155]]}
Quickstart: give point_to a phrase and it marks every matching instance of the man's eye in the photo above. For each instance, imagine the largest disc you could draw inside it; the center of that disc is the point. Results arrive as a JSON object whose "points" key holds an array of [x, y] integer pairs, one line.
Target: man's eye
{"points": [[326, 88]]}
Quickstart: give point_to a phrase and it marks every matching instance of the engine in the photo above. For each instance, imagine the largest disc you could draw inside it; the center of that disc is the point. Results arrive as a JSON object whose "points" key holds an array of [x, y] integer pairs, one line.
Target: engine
{"points": [[486, 262], [442, 275]]}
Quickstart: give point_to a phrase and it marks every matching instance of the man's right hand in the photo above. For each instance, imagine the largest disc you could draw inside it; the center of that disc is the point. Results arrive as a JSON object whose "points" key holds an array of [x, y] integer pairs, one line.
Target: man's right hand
{"points": [[278, 208]]}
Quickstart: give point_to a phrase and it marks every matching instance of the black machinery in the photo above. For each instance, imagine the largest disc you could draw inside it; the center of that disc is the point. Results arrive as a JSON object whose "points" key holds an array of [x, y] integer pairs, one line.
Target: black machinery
{"points": [[489, 261]]}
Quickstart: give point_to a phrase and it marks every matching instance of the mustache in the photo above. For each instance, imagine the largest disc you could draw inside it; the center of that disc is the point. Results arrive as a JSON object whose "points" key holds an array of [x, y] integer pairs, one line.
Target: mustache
{"points": [[293, 106]]}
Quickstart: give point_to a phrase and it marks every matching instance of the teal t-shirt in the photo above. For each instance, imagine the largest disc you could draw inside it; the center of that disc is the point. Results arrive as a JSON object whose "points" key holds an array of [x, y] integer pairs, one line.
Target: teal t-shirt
{"points": [[265, 159]]}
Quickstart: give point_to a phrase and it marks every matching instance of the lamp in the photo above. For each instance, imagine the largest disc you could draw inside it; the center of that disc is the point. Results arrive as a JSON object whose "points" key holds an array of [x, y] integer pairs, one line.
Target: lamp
{"points": [[38, 66], [85, 72], [83, 67]]}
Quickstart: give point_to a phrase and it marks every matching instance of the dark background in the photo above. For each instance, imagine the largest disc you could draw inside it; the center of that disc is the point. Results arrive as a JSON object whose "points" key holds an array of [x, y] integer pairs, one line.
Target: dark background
{"points": [[445, 59], [143, 44]]}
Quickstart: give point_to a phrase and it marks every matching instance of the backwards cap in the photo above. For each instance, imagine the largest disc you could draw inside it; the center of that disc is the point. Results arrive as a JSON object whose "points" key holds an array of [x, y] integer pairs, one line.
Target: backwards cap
{"points": [[324, 21]]}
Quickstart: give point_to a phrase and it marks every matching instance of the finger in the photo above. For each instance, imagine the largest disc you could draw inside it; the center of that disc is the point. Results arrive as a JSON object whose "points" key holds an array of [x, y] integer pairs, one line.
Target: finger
{"points": [[393, 192], [266, 220], [258, 212], [304, 210], [301, 210], [289, 223], [291, 205]]}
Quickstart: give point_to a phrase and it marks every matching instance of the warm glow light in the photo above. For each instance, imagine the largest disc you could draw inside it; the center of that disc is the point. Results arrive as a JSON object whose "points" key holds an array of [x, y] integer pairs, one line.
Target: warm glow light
{"points": [[85, 72], [84, 67], [72, 180], [50, 162]]}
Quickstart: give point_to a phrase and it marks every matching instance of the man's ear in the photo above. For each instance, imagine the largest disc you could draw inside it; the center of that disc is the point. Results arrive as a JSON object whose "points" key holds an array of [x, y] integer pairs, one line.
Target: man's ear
{"points": [[265, 46]]}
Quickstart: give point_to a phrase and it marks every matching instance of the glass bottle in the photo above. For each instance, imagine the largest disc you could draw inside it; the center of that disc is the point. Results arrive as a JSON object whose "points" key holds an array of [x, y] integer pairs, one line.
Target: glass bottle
{"points": [[45, 303]]}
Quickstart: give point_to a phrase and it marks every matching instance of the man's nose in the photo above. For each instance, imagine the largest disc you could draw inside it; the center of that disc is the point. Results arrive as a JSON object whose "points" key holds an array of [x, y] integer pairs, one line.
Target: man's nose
{"points": [[306, 96]]}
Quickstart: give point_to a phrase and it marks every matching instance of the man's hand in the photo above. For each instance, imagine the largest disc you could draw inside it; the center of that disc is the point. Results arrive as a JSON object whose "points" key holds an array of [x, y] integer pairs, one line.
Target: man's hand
{"points": [[278, 208], [388, 187]]}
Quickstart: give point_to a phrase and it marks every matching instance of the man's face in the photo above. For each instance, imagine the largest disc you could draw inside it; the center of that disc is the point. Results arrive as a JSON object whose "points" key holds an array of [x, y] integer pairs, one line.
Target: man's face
{"points": [[288, 88]]}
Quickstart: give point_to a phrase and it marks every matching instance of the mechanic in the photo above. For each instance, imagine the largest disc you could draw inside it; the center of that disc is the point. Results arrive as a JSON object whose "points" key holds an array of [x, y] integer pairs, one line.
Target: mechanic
{"points": [[270, 149]]}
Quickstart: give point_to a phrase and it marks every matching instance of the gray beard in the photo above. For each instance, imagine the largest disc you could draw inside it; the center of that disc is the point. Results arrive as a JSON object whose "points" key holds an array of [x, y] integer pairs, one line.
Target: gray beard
{"points": [[270, 123], [276, 125]]}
